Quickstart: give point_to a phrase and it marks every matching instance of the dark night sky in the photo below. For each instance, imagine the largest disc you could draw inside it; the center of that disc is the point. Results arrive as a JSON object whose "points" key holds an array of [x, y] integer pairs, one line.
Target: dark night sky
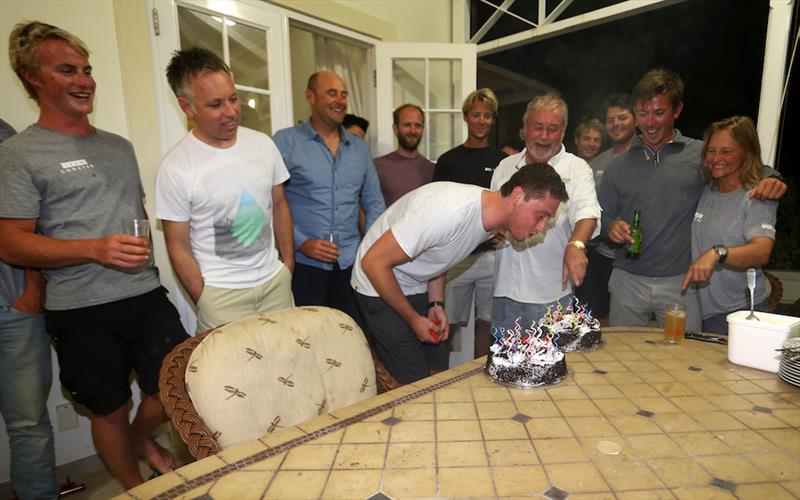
{"points": [[716, 45]]}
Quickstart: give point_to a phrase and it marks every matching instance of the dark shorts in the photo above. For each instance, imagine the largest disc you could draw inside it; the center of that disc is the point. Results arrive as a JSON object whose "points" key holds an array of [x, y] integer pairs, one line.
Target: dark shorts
{"points": [[98, 347], [406, 358]]}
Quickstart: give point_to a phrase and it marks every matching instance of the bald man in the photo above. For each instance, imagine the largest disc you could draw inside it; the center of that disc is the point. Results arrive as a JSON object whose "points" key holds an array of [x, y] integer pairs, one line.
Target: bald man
{"points": [[331, 175]]}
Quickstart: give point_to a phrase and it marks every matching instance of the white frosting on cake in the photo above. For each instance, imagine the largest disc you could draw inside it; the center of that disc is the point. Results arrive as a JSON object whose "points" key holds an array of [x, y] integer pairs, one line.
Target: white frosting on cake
{"points": [[578, 320], [531, 346]]}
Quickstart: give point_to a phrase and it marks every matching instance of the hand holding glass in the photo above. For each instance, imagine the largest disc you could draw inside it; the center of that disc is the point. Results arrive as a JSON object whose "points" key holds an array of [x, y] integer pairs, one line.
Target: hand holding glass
{"points": [[137, 227]]}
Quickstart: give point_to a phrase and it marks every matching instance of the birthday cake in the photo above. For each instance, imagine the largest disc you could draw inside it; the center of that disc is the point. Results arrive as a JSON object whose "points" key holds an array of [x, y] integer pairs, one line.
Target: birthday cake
{"points": [[526, 358], [573, 329]]}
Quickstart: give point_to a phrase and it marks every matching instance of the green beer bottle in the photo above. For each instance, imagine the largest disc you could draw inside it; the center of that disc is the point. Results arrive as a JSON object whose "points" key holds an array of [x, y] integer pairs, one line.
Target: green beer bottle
{"points": [[632, 252]]}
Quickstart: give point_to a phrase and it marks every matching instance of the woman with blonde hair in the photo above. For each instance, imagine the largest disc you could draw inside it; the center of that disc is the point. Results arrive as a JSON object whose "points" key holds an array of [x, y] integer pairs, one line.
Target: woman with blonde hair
{"points": [[731, 231]]}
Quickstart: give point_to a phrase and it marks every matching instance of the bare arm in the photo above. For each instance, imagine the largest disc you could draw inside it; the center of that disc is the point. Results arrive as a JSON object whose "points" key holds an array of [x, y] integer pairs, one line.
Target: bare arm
{"points": [[754, 253], [282, 222], [179, 248], [21, 246], [770, 188], [437, 313], [575, 260], [378, 263], [32, 299]]}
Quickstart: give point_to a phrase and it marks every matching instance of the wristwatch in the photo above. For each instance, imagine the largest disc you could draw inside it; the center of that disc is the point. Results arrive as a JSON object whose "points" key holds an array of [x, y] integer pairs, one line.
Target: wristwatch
{"points": [[578, 244], [435, 303], [722, 253]]}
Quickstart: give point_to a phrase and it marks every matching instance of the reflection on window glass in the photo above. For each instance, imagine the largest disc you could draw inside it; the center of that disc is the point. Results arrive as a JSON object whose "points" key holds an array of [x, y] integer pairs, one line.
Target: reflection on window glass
{"points": [[247, 47], [445, 83], [256, 112], [409, 82], [444, 132], [200, 30]]}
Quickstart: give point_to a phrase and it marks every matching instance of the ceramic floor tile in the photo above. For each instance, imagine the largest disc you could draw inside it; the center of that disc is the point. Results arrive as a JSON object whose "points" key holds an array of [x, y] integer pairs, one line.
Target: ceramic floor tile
{"points": [[624, 378], [590, 379], [598, 392], [777, 466], [790, 416], [650, 446], [702, 492], [411, 455], [332, 438], [760, 491], [708, 388], [412, 431], [563, 450], [768, 401], [580, 366], [646, 495], [296, 485], [702, 443], [758, 420], [655, 376], [201, 467], [360, 456], [576, 478], [566, 392], [639, 391], [747, 441], [409, 483], [272, 463], [577, 408], [456, 411], [465, 482], [241, 485], [420, 411], [655, 405], [792, 487], [632, 425], [379, 416], [692, 404], [461, 453], [622, 406], [495, 393], [458, 430], [718, 421], [240, 451], [367, 432], [599, 449], [622, 476], [672, 389], [610, 366], [729, 402], [732, 468], [549, 428], [536, 409], [318, 456], [534, 394], [591, 426], [154, 486], [511, 452], [742, 387], [787, 439], [503, 429], [677, 472], [453, 395], [347, 484], [504, 409], [677, 422], [519, 480]]}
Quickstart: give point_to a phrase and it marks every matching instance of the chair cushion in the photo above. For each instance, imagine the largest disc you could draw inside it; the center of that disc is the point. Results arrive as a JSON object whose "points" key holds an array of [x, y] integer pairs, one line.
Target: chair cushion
{"points": [[261, 373]]}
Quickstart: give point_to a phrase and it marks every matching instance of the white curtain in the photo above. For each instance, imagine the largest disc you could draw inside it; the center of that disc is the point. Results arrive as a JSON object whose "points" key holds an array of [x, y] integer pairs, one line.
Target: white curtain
{"points": [[349, 62]]}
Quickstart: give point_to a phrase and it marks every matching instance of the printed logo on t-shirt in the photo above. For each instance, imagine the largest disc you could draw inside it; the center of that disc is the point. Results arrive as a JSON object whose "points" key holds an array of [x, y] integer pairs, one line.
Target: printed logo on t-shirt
{"points": [[767, 227], [488, 169], [244, 235], [698, 217], [68, 167]]}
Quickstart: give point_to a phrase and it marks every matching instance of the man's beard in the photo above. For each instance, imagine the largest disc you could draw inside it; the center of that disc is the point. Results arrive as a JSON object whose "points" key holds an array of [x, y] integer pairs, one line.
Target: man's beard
{"points": [[403, 142]]}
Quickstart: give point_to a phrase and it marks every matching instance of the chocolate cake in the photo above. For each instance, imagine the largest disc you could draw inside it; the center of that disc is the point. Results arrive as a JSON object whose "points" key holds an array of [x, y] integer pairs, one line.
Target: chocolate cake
{"points": [[573, 328], [526, 358]]}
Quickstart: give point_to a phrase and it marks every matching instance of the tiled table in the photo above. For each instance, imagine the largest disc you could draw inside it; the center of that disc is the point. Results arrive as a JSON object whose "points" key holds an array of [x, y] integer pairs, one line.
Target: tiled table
{"points": [[687, 424]]}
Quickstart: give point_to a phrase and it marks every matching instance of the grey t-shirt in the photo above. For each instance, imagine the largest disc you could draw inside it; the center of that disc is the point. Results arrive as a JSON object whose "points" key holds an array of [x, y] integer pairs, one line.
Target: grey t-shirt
{"points": [[730, 219], [12, 279], [77, 187]]}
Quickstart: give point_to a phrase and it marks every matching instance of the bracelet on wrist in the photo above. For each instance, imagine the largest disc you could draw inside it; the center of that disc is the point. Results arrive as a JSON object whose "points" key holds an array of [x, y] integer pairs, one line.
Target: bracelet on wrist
{"points": [[435, 303]]}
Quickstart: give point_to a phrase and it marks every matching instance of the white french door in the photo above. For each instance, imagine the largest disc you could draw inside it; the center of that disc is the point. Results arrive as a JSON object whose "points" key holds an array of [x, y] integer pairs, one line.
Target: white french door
{"points": [[435, 77]]}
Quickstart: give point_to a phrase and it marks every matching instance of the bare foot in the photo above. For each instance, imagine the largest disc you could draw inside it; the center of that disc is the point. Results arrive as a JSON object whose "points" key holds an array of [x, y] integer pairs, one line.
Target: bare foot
{"points": [[157, 456]]}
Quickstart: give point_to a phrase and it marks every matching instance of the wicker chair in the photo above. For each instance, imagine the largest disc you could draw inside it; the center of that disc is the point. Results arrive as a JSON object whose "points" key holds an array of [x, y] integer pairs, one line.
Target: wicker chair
{"points": [[282, 328]]}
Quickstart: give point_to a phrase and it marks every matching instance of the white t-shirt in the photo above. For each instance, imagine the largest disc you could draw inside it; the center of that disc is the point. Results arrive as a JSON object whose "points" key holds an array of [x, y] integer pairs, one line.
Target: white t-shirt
{"points": [[531, 271], [226, 195], [437, 225]]}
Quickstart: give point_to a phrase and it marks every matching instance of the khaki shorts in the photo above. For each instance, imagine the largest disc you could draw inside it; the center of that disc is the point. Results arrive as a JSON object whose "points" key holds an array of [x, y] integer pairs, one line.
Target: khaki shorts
{"points": [[218, 306], [470, 280]]}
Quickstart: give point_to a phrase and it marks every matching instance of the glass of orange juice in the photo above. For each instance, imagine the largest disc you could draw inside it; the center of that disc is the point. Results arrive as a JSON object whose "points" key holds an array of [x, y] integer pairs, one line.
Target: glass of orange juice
{"points": [[674, 323]]}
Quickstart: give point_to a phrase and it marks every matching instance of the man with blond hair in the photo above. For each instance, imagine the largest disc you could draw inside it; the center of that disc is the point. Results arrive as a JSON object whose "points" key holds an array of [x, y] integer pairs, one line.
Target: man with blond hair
{"points": [[65, 187], [539, 273], [470, 281], [588, 139]]}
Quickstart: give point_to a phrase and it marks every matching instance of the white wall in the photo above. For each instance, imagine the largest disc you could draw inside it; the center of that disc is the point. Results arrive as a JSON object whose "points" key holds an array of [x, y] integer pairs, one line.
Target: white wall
{"points": [[93, 21], [413, 20]]}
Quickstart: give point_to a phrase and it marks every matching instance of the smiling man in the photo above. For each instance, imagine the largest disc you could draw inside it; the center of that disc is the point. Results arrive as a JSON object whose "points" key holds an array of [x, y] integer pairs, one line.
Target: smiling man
{"points": [[588, 139], [332, 175], [404, 169], [219, 193], [65, 187], [539, 272], [401, 264]]}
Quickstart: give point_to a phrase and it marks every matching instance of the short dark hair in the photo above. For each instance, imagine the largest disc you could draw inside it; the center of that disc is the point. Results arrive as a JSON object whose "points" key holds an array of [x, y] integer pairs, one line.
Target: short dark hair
{"points": [[350, 120], [622, 101], [659, 81], [536, 180], [587, 125], [189, 63], [396, 113]]}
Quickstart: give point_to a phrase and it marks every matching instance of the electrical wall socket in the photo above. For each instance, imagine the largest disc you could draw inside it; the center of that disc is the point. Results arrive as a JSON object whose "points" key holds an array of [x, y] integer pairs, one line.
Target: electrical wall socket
{"points": [[66, 417]]}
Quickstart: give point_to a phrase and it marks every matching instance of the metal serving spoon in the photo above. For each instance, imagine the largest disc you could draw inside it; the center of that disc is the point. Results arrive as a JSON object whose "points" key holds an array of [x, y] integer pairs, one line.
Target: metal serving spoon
{"points": [[751, 284]]}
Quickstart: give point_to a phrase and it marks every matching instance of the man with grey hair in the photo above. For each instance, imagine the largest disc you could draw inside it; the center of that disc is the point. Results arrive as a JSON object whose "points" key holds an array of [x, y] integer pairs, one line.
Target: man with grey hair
{"points": [[537, 273], [219, 194]]}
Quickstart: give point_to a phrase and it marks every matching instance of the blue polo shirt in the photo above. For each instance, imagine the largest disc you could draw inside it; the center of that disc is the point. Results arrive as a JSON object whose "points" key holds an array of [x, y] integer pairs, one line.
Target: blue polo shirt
{"points": [[324, 192]]}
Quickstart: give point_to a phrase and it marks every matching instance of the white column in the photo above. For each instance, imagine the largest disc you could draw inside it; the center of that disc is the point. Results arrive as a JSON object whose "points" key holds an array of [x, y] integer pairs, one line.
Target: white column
{"points": [[773, 76]]}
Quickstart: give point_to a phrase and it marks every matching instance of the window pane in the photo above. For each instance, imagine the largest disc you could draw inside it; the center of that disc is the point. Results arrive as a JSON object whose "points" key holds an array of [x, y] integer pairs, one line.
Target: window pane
{"points": [[256, 111], [445, 83], [444, 130], [409, 82], [200, 30], [247, 47]]}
